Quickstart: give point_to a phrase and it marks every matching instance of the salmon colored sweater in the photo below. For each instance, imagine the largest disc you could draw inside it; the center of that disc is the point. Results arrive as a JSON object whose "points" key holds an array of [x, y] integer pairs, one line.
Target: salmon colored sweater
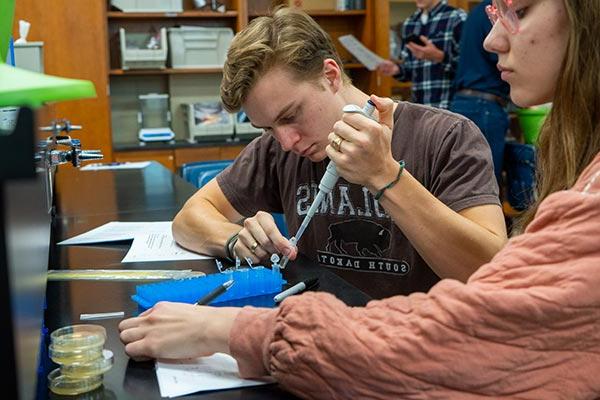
{"points": [[526, 325]]}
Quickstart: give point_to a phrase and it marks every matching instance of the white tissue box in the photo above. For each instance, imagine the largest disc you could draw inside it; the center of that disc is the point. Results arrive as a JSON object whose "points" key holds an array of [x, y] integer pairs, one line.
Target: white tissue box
{"points": [[30, 56]]}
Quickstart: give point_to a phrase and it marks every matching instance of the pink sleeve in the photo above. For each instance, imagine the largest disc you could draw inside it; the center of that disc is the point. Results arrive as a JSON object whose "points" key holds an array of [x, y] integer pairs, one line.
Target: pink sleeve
{"points": [[250, 338], [525, 325]]}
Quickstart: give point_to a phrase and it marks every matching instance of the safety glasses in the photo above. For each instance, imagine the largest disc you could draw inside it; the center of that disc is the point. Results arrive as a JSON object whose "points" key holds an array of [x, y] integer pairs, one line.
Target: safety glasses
{"points": [[504, 11]]}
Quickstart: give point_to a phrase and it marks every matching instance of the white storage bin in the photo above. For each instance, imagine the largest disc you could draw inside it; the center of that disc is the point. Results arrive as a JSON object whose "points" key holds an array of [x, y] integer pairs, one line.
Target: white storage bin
{"points": [[136, 55], [207, 120], [244, 129], [199, 47], [148, 5]]}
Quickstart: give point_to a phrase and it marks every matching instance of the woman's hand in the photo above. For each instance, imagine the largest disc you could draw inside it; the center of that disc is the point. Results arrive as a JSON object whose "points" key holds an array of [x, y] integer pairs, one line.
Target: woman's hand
{"points": [[361, 147], [260, 238], [177, 331]]}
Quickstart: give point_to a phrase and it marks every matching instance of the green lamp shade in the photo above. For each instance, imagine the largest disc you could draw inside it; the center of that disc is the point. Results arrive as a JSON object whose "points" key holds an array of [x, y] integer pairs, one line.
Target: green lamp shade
{"points": [[19, 87]]}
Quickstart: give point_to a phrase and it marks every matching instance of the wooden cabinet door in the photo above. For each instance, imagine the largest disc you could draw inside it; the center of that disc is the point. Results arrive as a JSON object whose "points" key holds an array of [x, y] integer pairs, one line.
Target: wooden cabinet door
{"points": [[193, 154], [184, 156], [230, 152]]}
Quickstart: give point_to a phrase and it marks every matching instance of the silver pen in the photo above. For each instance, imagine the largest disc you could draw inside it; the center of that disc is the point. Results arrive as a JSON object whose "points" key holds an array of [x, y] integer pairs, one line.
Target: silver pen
{"points": [[297, 288]]}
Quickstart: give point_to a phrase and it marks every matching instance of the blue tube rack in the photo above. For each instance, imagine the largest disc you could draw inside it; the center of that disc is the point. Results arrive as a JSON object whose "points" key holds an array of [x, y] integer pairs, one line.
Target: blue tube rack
{"points": [[248, 282]]}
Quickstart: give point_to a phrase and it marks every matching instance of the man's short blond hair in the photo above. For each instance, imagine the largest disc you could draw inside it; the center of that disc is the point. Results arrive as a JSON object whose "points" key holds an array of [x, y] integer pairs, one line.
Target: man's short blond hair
{"points": [[288, 38]]}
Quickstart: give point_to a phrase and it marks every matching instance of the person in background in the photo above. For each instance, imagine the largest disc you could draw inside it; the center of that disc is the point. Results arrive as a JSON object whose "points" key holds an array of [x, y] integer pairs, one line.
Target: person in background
{"points": [[525, 325], [429, 52], [481, 95], [284, 71]]}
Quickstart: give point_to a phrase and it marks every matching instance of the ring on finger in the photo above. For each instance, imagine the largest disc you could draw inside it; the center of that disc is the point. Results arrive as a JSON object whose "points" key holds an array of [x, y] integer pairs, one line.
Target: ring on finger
{"points": [[253, 247], [337, 143]]}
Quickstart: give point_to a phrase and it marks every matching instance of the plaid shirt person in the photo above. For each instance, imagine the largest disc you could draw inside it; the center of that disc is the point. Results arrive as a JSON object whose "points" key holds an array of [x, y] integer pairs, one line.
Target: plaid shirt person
{"points": [[432, 81]]}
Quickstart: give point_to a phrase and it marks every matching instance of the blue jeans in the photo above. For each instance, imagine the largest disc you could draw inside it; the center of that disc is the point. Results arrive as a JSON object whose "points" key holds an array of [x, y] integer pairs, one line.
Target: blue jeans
{"points": [[491, 119]]}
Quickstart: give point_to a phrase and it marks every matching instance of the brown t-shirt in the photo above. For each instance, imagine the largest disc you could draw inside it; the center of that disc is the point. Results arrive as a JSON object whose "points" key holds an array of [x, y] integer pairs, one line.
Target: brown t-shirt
{"points": [[351, 233]]}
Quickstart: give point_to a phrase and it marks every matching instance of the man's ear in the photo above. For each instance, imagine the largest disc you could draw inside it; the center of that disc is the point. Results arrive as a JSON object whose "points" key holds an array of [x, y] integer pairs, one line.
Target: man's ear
{"points": [[333, 74]]}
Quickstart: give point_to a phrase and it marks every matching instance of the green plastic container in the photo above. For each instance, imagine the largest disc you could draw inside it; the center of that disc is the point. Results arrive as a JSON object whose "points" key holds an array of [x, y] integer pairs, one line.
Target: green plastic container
{"points": [[531, 121]]}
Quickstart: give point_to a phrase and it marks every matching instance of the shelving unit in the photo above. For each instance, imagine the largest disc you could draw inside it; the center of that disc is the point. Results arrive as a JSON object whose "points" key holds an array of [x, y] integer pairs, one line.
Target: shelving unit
{"points": [[126, 85], [73, 49], [185, 14], [335, 13], [166, 71], [184, 85]]}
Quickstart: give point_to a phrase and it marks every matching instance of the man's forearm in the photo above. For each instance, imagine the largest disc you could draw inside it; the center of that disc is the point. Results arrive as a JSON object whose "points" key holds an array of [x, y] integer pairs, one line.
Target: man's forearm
{"points": [[200, 227], [452, 245]]}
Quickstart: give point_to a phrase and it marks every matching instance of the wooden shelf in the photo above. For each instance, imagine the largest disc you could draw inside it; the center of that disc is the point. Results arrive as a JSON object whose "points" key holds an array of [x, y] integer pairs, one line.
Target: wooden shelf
{"points": [[166, 71], [175, 71], [323, 13], [184, 14], [257, 14], [336, 13]]}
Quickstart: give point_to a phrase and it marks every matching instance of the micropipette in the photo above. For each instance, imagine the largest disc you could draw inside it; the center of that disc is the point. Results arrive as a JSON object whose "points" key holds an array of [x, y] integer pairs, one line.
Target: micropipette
{"points": [[329, 179]]}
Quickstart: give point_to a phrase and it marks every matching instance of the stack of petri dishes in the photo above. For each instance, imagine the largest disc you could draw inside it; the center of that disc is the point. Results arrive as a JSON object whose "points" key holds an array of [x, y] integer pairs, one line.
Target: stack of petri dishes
{"points": [[79, 350]]}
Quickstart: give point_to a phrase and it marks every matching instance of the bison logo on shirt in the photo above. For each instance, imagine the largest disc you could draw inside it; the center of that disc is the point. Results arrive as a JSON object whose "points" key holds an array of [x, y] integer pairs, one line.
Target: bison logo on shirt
{"points": [[358, 238]]}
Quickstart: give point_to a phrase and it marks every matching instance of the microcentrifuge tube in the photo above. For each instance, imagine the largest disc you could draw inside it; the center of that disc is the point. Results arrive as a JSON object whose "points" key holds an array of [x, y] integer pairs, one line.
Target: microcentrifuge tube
{"points": [[275, 260]]}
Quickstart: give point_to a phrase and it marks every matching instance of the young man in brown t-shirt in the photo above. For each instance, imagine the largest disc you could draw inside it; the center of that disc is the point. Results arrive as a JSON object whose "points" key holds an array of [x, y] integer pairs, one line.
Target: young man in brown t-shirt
{"points": [[442, 218]]}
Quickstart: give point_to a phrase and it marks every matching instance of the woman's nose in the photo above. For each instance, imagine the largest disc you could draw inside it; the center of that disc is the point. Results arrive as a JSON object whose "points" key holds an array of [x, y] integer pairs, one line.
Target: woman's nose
{"points": [[497, 40]]}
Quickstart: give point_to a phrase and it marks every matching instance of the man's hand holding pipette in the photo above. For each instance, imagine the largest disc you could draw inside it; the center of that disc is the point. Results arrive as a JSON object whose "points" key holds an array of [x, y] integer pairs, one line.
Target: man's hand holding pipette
{"points": [[364, 154], [331, 175]]}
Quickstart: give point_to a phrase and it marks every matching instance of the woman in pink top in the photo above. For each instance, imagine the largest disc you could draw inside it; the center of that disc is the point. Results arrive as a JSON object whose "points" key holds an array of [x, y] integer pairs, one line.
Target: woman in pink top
{"points": [[526, 325]]}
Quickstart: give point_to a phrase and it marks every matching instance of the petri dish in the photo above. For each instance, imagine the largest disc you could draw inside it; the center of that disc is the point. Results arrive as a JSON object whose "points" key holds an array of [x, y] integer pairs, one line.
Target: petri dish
{"points": [[82, 335], [69, 355], [64, 385], [87, 369]]}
